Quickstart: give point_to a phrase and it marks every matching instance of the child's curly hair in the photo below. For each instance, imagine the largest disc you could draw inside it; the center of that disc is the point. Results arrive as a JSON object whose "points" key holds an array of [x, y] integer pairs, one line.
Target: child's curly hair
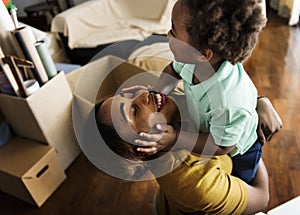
{"points": [[229, 27]]}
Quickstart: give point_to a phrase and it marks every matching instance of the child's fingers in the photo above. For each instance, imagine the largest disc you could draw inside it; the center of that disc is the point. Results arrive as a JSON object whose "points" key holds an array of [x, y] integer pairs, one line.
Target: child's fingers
{"points": [[161, 127], [145, 143], [149, 87], [151, 137], [134, 88], [149, 151]]}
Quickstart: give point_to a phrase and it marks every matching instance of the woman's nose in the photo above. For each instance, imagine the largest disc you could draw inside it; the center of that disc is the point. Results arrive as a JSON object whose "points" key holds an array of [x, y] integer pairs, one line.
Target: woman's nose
{"points": [[169, 35], [146, 97]]}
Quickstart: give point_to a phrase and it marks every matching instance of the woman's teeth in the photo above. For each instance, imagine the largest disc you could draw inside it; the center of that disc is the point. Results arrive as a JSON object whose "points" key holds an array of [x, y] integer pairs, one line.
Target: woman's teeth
{"points": [[158, 99]]}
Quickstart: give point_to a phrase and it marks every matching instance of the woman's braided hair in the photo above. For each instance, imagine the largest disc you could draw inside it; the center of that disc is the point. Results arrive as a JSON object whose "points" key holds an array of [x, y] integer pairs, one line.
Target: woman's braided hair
{"points": [[229, 27]]}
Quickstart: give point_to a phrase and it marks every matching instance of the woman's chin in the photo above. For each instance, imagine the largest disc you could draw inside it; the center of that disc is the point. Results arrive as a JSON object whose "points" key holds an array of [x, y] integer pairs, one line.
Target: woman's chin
{"points": [[169, 110]]}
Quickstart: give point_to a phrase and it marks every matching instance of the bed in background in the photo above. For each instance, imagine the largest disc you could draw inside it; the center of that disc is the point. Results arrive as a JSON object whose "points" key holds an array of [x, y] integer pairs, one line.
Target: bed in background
{"points": [[91, 26]]}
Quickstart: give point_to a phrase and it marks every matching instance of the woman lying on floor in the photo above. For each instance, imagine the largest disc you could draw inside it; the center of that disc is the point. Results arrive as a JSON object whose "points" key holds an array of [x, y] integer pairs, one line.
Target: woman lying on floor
{"points": [[190, 183]]}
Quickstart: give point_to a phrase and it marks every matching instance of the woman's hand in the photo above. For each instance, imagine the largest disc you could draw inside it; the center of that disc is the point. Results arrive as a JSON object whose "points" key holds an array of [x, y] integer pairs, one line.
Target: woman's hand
{"points": [[154, 143]]}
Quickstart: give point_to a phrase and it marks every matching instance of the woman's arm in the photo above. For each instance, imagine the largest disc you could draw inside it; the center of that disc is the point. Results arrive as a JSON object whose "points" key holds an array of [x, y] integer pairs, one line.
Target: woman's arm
{"points": [[269, 121], [258, 191]]}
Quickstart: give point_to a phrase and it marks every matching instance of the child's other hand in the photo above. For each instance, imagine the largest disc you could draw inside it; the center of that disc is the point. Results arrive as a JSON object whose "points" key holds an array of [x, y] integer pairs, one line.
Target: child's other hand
{"points": [[136, 88], [154, 143]]}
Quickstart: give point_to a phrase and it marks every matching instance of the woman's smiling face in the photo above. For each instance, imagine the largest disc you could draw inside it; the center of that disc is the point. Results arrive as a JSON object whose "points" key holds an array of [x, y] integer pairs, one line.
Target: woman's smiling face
{"points": [[141, 110]]}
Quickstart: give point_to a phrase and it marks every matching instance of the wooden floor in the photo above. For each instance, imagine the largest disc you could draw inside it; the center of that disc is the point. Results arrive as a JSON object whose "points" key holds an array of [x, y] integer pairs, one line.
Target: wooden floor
{"points": [[275, 69]]}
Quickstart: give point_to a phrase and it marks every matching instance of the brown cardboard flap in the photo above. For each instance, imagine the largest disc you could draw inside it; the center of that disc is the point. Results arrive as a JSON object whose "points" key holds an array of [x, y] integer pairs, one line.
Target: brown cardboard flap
{"points": [[17, 112], [29, 170], [19, 155], [46, 117], [44, 177]]}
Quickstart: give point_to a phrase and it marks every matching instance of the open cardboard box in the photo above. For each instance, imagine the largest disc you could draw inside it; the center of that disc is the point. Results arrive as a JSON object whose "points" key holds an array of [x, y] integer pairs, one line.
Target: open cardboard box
{"points": [[29, 170], [45, 117]]}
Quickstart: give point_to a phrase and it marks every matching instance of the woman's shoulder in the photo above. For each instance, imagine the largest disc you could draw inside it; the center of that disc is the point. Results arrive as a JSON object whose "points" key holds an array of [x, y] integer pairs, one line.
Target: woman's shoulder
{"points": [[205, 182]]}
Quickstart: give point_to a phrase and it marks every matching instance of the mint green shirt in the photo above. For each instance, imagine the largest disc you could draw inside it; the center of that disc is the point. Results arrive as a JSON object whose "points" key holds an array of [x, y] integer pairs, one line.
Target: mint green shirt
{"points": [[223, 105]]}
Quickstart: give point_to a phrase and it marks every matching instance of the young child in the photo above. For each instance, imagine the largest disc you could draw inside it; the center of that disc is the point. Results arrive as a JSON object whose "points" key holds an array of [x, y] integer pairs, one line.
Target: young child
{"points": [[210, 40]]}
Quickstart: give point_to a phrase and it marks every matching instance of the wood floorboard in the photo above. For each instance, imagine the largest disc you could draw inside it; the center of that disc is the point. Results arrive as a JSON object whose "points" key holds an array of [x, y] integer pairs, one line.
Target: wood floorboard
{"points": [[274, 68]]}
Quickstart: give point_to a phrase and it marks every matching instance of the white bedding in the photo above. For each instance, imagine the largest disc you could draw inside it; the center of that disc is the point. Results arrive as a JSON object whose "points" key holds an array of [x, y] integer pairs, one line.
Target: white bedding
{"points": [[97, 22]]}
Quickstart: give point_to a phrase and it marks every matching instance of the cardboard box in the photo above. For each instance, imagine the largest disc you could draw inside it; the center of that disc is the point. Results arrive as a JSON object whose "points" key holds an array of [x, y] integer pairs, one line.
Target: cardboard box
{"points": [[114, 70], [46, 117], [290, 207], [29, 170]]}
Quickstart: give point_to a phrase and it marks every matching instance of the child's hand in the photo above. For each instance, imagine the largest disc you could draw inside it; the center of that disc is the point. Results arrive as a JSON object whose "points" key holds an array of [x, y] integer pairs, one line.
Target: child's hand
{"points": [[154, 143], [136, 88]]}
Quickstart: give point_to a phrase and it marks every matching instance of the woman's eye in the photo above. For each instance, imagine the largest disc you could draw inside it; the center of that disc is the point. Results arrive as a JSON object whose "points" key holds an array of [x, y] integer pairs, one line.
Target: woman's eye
{"points": [[134, 110], [129, 95], [172, 33], [148, 98]]}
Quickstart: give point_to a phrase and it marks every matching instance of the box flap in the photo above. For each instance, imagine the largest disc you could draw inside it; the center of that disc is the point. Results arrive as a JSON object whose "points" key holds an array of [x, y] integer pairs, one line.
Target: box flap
{"points": [[92, 76], [23, 113], [44, 177], [290, 207], [51, 106], [45, 116], [51, 85], [101, 78], [19, 155]]}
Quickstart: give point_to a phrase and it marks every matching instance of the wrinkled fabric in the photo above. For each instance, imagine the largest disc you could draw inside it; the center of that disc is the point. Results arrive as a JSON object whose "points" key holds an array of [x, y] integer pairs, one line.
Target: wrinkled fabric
{"points": [[97, 22]]}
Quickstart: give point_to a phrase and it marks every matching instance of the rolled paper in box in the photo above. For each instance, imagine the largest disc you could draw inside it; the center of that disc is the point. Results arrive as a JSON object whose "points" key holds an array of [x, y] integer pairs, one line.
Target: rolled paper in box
{"points": [[46, 58], [26, 40], [31, 86], [8, 4]]}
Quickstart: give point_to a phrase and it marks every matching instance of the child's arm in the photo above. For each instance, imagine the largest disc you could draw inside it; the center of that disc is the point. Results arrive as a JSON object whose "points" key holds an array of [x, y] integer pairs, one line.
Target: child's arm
{"points": [[167, 80], [269, 124], [202, 143]]}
